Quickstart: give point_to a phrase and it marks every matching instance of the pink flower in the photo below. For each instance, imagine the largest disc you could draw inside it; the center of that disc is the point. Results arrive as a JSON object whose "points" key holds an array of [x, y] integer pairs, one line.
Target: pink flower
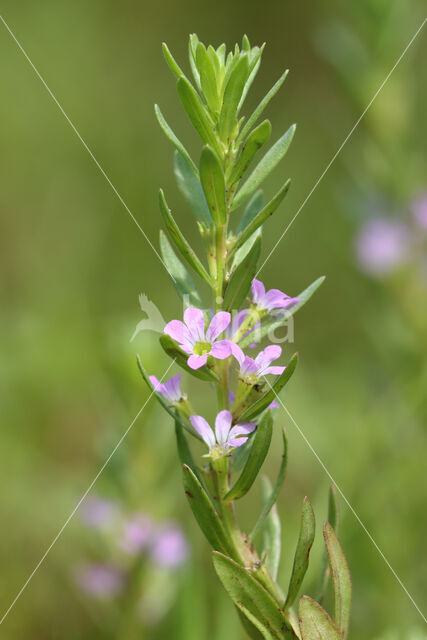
{"points": [[225, 436], [251, 369], [198, 344], [98, 513], [272, 299], [100, 580], [170, 547], [136, 534], [170, 389], [381, 246]]}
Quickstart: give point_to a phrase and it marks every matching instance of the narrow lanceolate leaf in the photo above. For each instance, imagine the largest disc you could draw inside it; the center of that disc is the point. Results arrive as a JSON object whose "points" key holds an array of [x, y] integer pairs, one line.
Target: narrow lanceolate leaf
{"points": [[341, 579], [255, 460], [257, 407], [257, 138], [184, 451], [253, 70], [182, 282], [271, 500], [173, 65], [260, 108], [192, 48], [205, 513], [262, 216], [176, 143], [250, 629], [264, 167], [314, 622], [252, 599], [241, 279], [232, 94], [305, 542], [162, 401], [333, 519], [207, 77], [197, 113], [252, 209], [172, 349], [212, 179], [191, 189], [279, 319], [271, 539], [180, 242]]}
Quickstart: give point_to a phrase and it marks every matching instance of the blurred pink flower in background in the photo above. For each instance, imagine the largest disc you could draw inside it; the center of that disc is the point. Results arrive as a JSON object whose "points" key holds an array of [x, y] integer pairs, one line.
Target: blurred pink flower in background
{"points": [[100, 580], [169, 547], [98, 513], [136, 533], [419, 210], [381, 246]]}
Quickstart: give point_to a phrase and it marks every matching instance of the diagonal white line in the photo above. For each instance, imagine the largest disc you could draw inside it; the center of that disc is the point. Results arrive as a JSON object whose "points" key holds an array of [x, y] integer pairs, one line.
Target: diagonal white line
{"points": [[340, 148], [325, 469], [43, 81], [60, 532]]}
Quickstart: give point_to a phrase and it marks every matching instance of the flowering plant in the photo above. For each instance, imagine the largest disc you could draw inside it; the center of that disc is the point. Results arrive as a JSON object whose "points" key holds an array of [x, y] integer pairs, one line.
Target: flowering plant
{"points": [[209, 344]]}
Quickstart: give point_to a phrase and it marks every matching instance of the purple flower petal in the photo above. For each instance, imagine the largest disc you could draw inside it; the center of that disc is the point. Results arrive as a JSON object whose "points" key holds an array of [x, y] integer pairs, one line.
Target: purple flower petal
{"points": [[195, 362], [273, 405], [231, 396], [236, 436], [266, 357], [221, 349], [236, 323], [275, 371], [218, 324], [195, 321], [171, 388], [156, 384], [203, 429], [170, 548], [258, 290], [222, 426], [237, 352], [249, 367], [178, 332]]}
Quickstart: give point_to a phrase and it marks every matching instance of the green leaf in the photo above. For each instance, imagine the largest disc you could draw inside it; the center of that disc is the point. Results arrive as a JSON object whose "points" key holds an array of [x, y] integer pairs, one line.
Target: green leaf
{"points": [[207, 77], [257, 138], [184, 451], [176, 143], [172, 349], [191, 189], [241, 454], [264, 167], [232, 94], [212, 179], [314, 622], [252, 599], [341, 579], [253, 70], [270, 502], [305, 542], [183, 282], [180, 242], [257, 407], [260, 108], [205, 513], [197, 113], [244, 250], [162, 401], [240, 280], [250, 629], [192, 48], [173, 65], [262, 216], [253, 207], [274, 322], [271, 540], [333, 519], [255, 460]]}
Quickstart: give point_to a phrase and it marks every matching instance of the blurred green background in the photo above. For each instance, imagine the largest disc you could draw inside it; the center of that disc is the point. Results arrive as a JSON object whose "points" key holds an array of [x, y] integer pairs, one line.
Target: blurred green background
{"points": [[72, 265]]}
